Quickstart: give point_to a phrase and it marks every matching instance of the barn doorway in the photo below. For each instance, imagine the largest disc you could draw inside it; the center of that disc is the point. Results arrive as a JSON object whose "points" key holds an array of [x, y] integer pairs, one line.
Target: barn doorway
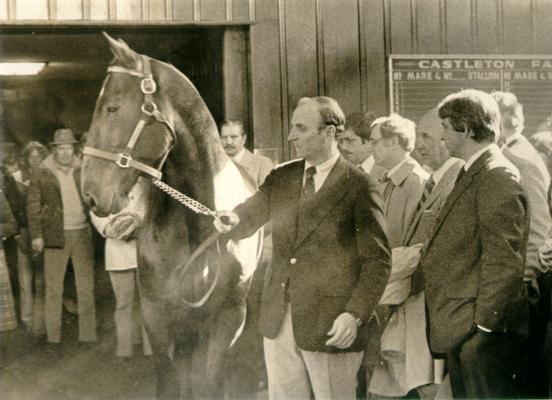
{"points": [[63, 94]]}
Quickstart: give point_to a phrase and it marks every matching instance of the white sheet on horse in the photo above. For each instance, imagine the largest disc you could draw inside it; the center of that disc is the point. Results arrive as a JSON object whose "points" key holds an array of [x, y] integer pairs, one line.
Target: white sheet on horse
{"points": [[231, 190]]}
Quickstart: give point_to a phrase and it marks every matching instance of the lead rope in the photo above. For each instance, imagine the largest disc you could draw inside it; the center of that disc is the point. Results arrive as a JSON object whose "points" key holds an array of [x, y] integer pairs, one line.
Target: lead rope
{"points": [[187, 201], [199, 208]]}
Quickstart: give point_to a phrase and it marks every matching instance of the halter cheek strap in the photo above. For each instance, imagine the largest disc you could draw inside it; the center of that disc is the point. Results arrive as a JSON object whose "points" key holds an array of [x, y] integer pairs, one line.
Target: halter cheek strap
{"points": [[149, 110]]}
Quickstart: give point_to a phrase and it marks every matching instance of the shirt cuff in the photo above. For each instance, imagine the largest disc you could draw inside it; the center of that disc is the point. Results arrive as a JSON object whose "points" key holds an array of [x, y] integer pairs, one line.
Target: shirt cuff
{"points": [[482, 328]]}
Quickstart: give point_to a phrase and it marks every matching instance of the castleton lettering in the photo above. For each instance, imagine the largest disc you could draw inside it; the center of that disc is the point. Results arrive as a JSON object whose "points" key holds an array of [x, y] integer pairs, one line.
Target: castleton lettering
{"points": [[467, 64]]}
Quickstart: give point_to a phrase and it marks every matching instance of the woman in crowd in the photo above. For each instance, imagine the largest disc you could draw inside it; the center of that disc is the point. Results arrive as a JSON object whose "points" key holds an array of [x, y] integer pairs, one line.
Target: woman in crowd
{"points": [[121, 263], [33, 154]]}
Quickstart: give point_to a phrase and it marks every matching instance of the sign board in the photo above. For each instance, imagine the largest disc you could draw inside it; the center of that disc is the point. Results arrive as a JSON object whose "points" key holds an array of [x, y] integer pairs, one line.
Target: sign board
{"points": [[419, 82]]}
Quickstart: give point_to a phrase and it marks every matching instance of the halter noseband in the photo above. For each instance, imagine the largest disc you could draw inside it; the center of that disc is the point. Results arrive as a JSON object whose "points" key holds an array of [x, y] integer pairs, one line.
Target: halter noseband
{"points": [[149, 110]]}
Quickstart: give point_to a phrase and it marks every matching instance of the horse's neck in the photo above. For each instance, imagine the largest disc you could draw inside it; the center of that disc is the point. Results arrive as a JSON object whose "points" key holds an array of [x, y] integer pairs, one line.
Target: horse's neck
{"points": [[198, 155]]}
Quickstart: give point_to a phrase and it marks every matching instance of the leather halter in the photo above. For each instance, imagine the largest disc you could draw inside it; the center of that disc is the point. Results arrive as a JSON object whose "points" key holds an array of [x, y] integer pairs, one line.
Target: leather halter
{"points": [[149, 110]]}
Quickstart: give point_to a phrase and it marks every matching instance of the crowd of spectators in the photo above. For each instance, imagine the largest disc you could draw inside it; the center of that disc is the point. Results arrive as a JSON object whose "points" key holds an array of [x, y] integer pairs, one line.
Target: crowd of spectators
{"points": [[465, 199]]}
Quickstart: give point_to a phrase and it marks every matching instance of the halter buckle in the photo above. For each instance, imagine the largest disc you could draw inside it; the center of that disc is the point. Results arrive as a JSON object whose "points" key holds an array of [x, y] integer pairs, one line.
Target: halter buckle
{"points": [[148, 86], [124, 160], [149, 108]]}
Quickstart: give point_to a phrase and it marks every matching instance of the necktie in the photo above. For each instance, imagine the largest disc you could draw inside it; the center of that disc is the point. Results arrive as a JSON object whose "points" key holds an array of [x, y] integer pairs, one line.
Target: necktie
{"points": [[388, 186], [309, 189], [428, 188]]}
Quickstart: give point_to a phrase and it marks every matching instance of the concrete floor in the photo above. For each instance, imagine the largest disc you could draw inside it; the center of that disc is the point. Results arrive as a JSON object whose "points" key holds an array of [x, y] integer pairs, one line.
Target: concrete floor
{"points": [[28, 372]]}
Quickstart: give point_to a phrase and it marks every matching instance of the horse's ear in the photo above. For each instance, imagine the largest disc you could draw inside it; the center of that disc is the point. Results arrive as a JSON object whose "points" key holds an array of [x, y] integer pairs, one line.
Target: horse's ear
{"points": [[124, 55]]}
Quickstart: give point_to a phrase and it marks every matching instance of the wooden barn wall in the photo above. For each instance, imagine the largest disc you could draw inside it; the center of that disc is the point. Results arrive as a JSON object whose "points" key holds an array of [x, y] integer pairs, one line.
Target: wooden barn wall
{"points": [[337, 48]]}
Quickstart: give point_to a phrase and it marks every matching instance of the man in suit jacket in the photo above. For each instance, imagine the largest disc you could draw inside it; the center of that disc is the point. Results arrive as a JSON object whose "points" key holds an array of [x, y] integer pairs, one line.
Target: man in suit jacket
{"points": [[354, 143], [535, 181], [233, 139], [423, 371], [474, 260], [331, 259]]}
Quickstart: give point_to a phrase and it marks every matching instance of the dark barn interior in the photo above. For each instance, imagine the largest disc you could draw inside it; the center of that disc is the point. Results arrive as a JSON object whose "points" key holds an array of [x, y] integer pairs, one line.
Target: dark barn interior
{"points": [[64, 92]]}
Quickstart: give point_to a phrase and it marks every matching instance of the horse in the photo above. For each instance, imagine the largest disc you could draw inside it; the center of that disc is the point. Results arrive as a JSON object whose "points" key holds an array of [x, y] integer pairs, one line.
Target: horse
{"points": [[150, 123]]}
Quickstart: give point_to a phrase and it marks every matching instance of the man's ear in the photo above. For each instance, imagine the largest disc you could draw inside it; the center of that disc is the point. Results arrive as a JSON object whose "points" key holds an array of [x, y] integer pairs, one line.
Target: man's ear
{"points": [[466, 132], [331, 131]]}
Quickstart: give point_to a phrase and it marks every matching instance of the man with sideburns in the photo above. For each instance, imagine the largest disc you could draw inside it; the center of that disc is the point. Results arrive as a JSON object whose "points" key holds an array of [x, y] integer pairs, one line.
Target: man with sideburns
{"points": [[474, 260]]}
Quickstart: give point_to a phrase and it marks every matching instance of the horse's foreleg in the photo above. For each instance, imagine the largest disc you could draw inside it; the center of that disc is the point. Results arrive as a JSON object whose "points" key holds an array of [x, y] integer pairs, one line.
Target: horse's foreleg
{"points": [[209, 357], [157, 321]]}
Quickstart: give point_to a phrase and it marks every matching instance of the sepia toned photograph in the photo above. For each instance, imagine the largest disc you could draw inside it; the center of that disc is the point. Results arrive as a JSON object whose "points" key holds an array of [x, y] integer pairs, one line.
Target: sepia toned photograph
{"points": [[275, 199]]}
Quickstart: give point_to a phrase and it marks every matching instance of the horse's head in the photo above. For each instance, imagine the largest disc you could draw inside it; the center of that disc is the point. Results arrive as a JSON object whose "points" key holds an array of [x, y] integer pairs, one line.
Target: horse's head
{"points": [[129, 136]]}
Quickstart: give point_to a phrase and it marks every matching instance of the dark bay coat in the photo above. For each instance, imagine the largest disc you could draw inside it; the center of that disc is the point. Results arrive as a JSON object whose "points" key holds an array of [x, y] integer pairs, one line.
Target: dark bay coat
{"points": [[331, 255]]}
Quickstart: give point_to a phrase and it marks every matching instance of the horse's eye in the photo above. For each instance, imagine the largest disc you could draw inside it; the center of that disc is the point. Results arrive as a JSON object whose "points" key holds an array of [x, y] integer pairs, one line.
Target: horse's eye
{"points": [[112, 109]]}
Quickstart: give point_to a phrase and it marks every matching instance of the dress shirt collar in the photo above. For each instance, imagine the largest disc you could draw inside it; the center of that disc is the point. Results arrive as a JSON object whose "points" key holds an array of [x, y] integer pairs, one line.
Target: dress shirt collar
{"points": [[322, 170], [238, 157], [478, 154], [440, 172], [368, 164], [396, 167]]}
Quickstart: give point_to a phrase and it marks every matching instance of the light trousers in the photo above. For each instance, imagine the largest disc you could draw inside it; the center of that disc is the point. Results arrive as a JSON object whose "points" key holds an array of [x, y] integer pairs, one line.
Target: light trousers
{"points": [[128, 315], [25, 278], [78, 247], [295, 374], [32, 303]]}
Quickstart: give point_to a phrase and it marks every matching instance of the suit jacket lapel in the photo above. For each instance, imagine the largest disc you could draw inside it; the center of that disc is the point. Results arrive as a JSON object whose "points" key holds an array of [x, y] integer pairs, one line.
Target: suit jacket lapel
{"points": [[433, 197], [460, 187], [446, 180], [313, 211], [290, 200]]}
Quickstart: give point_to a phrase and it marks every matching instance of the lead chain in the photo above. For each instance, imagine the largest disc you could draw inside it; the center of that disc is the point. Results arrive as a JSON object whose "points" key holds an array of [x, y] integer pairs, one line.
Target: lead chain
{"points": [[192, 204]]}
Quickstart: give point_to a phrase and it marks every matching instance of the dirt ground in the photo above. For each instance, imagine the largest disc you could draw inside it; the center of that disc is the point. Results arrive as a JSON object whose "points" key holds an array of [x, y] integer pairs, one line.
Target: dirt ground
{"points": [[28, 372]]}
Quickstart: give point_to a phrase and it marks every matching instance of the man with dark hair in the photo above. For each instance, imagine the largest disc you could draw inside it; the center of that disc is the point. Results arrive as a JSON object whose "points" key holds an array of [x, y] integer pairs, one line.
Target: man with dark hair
{"points": [[59, 226], [233, 140], [535, 181], [331, 259], [354, 143], [247, 372], [473, 261]]}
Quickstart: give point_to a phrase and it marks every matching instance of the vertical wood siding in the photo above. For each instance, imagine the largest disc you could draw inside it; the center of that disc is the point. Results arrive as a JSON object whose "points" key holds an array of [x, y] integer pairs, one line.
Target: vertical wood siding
{"points": [[337, 48]]}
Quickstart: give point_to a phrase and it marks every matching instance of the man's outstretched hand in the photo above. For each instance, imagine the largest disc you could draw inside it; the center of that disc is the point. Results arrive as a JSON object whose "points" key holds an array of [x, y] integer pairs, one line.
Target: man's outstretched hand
{"points": [[226, 221]]}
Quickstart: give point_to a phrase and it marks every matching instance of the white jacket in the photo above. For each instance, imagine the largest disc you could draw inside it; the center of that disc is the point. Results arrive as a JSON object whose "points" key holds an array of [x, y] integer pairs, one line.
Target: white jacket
{"points": [[121, 255]]}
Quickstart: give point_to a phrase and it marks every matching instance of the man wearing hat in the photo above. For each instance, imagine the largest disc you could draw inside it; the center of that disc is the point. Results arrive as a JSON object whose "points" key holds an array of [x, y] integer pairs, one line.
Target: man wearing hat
{"points": [[60, 228]]}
